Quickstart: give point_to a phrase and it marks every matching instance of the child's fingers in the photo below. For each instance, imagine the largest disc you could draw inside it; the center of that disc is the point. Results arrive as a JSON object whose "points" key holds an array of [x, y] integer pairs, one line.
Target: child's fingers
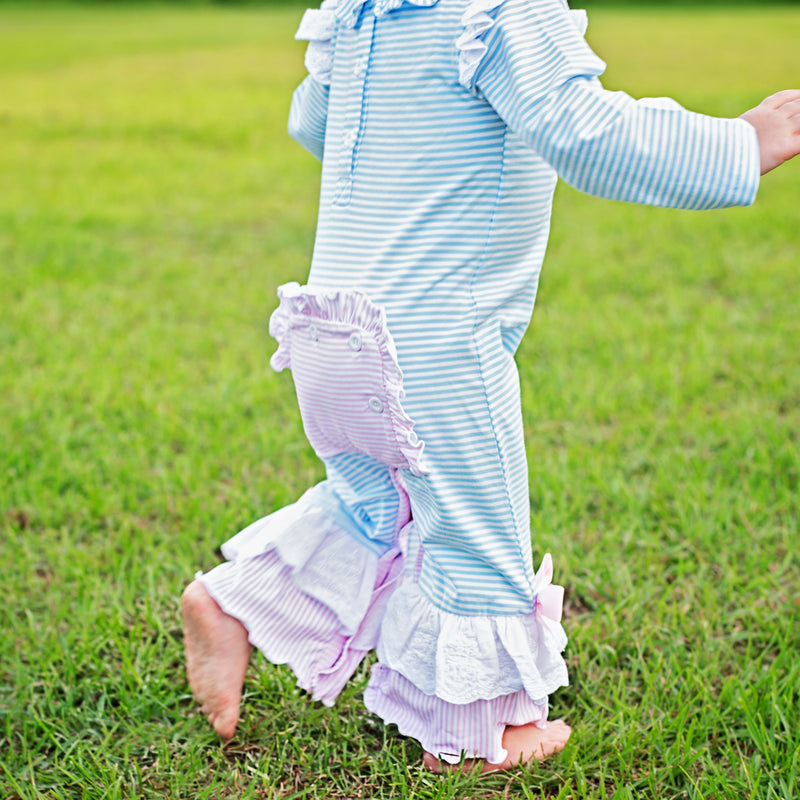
{"points": [[777, 123], [780, 99]]}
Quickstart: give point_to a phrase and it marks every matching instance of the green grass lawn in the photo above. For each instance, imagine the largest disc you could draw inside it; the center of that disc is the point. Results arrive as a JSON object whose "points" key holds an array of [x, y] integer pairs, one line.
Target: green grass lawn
{"points": [[151, 202]]}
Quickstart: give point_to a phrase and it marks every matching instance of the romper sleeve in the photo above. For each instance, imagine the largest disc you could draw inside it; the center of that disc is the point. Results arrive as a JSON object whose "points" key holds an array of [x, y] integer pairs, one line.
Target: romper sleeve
{"points": [[309, 110], [308, 116], [537, 71]]}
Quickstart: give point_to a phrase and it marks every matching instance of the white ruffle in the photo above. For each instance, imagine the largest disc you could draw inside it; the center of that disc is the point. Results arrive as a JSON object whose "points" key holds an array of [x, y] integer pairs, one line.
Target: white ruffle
{"points": [[462, 659], [470, 45], [383, 7], [317, 28], [348, 11], [580, 19], [325, 562], [477, 21]]}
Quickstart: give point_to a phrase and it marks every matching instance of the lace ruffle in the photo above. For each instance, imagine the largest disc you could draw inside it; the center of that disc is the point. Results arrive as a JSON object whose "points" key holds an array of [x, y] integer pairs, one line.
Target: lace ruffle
{"points": [[350, 310], [317, 28], [463, 659]]}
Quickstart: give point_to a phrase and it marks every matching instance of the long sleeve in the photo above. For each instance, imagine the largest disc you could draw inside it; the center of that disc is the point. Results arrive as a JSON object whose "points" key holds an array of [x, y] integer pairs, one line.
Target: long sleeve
{"points": [[541, 77], [308, 115]]}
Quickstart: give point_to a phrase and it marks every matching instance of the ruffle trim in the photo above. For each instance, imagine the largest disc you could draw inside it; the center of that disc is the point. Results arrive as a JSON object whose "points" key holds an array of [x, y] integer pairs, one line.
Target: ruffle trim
{"points": [[580, 19], [317, 28], [477, 21], [350, 309], [384, 7], [473, 730], [307, 595], [470, 45], [321, 555], [463, 659], [348, 11]]}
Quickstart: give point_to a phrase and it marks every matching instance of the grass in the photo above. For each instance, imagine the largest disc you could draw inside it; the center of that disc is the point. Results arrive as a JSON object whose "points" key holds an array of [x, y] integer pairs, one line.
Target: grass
{"points": [[150, 203]]}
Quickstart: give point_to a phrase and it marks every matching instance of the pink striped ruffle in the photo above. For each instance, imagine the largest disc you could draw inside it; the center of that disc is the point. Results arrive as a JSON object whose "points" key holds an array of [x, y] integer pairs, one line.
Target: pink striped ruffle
{"points": [[308, 595], [448, 730], [348, 381]]}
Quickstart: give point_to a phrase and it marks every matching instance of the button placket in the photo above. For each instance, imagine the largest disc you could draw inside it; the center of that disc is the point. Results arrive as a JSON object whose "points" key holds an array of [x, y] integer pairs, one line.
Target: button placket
{"points": [[360, 67], [355, 112]]}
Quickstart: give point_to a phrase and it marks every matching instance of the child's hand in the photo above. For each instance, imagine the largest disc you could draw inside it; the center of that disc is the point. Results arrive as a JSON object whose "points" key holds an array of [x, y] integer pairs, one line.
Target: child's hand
{"points": [[777, 123]]}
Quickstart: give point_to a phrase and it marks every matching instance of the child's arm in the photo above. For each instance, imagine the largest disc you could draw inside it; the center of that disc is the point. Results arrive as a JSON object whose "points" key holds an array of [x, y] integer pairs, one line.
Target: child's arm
{"points": [[308, 116], [541, 77], [777, 124]]}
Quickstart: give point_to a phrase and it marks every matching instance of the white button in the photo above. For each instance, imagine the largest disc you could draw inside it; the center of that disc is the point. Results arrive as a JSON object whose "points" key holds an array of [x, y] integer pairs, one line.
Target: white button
{"points": [[354, 341], [313, 333], [350, 137], [376, 405], [360, 67]]}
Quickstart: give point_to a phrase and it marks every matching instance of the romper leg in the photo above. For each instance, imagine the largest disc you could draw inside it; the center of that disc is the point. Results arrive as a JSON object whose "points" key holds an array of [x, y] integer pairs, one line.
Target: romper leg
{"points": [[471, 642], [311, 581], [471, 508]]}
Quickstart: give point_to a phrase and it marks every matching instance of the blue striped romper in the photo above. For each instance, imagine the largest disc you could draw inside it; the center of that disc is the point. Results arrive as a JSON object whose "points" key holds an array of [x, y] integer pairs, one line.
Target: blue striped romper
{"points": [[442, 126]]}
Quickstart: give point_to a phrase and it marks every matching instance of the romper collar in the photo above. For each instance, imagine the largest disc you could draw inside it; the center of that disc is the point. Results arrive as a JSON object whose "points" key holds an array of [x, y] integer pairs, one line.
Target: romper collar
{"points": [[348, 11]]}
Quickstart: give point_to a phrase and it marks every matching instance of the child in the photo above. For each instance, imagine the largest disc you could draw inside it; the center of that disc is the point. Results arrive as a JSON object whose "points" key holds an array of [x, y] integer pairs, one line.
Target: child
{"points": [[441, 126]]}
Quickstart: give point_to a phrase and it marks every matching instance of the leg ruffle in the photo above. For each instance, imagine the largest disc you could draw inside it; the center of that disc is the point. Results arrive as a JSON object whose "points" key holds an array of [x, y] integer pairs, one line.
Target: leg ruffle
{"points": [[454, 682], [308, 593], [446, 729]]}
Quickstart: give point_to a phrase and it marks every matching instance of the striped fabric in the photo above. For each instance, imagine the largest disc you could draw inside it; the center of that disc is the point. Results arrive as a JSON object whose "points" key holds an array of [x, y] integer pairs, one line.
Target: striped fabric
{"points": [[361, 411], [435, 202], [441, 126], [443, 728], [306, 595]]}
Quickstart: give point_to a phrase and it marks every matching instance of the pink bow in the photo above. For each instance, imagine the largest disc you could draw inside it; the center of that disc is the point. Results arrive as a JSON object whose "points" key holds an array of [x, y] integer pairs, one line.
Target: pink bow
{"points": [[549, 596]]}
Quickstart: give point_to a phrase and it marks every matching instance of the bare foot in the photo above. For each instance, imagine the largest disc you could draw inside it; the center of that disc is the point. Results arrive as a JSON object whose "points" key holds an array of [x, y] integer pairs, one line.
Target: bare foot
{"points": [[217, 654], [525, 743]]}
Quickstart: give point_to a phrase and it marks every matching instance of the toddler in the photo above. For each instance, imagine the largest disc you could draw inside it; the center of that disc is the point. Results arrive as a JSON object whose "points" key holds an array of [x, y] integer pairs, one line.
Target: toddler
{"points": [[441, 126]]}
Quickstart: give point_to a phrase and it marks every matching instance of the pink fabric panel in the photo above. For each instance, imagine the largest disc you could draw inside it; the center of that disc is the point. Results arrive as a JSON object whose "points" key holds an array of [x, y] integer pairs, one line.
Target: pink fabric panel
{"points": [[448, 730], [337, 374], [349, 384]]}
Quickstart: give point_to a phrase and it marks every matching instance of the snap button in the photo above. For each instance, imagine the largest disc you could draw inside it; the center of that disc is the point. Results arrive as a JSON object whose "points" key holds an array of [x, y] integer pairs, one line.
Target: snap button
{"points": [[313, 333], [376, 404], [350, 138], [354, 341]]}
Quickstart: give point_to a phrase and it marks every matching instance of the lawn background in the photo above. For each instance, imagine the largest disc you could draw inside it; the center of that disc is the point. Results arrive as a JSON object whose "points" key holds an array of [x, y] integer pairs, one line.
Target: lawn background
{"points": [[151, 203]]}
